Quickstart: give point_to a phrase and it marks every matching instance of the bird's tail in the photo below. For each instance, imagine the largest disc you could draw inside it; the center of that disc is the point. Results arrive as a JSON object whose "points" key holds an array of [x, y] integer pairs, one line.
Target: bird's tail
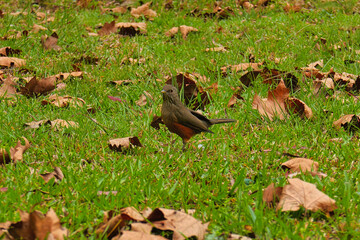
{"points": [[221, 120]]}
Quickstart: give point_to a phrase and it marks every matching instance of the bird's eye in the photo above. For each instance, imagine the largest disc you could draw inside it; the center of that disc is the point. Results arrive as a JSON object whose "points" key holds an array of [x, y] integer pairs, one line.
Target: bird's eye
{"points": [[170, 90]]}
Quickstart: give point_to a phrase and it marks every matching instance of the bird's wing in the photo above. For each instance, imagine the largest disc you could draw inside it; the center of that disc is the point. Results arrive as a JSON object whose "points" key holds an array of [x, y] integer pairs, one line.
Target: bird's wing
{"points": [[193, 120]]}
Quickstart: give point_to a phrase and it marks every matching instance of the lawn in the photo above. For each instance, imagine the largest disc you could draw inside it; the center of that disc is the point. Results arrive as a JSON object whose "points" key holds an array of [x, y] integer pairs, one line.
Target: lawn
{"points": [[221, 177]]}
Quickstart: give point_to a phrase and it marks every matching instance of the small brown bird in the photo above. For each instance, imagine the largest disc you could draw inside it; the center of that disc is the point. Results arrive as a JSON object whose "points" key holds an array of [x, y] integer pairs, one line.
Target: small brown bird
{"points": [[181, 120]]}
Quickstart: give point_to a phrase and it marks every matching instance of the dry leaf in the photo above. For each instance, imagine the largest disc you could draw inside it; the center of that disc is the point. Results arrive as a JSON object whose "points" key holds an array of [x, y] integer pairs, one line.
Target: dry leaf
{"points": [[183, 225], [279, 104], [38, 226], [64, 101], [8, 88], [107, 29], [131, 29], [241, 67], [272, 195], [274, 104], [143, 10], [57, 174], [192, 92], [122, 144], [172, 32], [122, 82], [301, 165], [10, 62], [216, 49], [50, 42], [302, 194], [16, 153], [155, 123], [143, 99], [59, 124], [37, 28], [349, 122], [132, 235], [8, 51], [38, 87], [185, 30]]}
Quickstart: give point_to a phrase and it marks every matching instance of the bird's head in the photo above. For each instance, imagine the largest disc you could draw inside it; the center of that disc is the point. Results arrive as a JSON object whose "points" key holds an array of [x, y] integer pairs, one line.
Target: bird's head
{"points": [[170, 94]]}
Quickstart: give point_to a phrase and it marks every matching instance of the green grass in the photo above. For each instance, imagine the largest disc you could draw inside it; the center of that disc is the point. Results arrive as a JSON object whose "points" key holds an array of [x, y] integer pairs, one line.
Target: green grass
{"points": [[159, 174]]}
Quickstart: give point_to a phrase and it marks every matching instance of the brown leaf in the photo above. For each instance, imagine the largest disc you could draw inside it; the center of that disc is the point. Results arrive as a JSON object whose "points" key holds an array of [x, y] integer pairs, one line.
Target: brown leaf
{"points": [[349, 122], [122, 144], [113, 224], [37, 28], [131, 29], [172, 32], [297, 106], [325, 83], [132, 235], [279, 104], [8, 88], [143, 99], [38, 226], [241, 67], [272, 195], [234, 98], [143, 10], [183, 225], [274, 104], [216, 49], [8, 51], [16, 153], [141, 227], [10, 62], [64, 101], [107, 29], [64, 76], [299, 193], [59, 124], [155, 123], [50, 42], [301, 165], [122, 82], [185, 30], [57, 174], [36, 124], [38, 87], [187, 82]]}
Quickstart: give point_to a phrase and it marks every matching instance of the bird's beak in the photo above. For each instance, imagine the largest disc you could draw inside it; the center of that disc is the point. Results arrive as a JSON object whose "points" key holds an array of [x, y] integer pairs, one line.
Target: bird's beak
{"points": [[163, 91]]}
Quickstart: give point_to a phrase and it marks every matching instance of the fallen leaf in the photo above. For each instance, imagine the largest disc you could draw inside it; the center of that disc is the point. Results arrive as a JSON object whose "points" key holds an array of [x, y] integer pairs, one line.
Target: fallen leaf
{"points": [[349, 122], [50, 42], [112, 225], [143, 10], [241, 67], [64, 76], [185, 30], [131, 29], [57, 174], [107, 29], [183, 225], [56, 124], [143, 99], [10, 62], [274, 104], [271, 195], [171, 32], [122, 144], [300, 165], [99, 193], [8, 51], [132, 235], [16, 153], [8, 88], [64, 101], [59, 124], [38, 226], [279, 104], [302, 194], [233, 236], [37, 28], [122, 82], [194, 95], [38, 87], [216, 49], [155, 123]]}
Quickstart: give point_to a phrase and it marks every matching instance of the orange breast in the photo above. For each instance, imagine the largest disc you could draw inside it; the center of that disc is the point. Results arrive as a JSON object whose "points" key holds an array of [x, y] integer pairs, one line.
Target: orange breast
{"points": [[184, 132]]}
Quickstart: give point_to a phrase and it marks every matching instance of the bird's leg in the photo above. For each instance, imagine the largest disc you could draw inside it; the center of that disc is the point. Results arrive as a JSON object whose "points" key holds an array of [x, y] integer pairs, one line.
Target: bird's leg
{"points": [[184, 145]]}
